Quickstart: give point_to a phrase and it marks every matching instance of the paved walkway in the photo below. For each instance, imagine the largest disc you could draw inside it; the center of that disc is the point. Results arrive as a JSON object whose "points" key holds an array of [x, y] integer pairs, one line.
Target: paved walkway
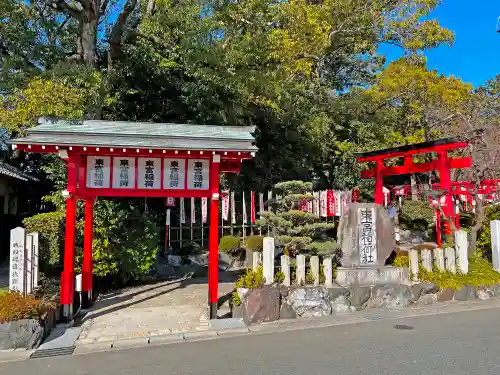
{"points": [[153, 310]]}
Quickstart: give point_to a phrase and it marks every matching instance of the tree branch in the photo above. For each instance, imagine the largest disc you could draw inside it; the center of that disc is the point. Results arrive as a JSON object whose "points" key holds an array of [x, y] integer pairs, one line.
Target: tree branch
{"points": [[115, 39]]}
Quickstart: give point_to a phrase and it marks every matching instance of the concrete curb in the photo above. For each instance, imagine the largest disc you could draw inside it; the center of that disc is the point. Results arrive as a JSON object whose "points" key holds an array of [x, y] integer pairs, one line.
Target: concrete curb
{"points": [[364, 316]]}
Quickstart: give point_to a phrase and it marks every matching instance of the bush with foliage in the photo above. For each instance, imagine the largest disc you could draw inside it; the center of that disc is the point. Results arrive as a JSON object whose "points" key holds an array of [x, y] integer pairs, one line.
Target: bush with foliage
{"points": [[417, 214], [189, 248], [250, 280], [481, 273], [125, 242], [230, 245], [14, 306], [298, 231], [254, 243], [50, 227]]}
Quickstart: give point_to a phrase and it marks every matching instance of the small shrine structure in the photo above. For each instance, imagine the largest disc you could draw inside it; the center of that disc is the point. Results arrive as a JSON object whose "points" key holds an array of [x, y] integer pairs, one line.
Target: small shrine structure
{"points": [[138, 159], [443, 164]]}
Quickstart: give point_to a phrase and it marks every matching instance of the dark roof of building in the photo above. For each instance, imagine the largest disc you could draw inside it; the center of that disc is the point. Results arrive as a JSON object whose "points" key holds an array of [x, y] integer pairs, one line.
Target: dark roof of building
{"points": [[13, 172], [140, 134]]}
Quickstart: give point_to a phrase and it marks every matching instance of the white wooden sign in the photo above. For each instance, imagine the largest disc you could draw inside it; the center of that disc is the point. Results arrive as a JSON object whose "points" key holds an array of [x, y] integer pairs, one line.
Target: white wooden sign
{"points": [[98, 171], [149, 173], [198, 174], [17, 269], [123, 173], [29, 264], [367, 236], [174, 172], [35, 269]]}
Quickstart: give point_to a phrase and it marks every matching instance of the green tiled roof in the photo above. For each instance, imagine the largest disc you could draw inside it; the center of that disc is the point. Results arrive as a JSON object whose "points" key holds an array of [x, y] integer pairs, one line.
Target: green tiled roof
{"points": [[140, 134]]}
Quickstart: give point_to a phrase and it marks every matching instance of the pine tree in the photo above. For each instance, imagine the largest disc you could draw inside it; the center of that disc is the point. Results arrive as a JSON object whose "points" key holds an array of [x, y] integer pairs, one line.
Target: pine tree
{"points": [[297, 231]]}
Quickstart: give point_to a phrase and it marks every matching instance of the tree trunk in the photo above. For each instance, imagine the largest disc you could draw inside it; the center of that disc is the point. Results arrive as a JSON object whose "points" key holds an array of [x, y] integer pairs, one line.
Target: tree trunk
{"points": [[87, 34]]}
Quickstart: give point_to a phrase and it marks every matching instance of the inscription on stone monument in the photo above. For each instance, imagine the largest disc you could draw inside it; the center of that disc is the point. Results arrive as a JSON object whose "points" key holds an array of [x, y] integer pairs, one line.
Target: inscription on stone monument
{"points": [[367, 236]]}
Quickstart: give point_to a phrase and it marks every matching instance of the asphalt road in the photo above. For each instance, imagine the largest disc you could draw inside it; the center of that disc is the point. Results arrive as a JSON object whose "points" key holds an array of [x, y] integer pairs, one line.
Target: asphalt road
{"points": [[449, 344]]}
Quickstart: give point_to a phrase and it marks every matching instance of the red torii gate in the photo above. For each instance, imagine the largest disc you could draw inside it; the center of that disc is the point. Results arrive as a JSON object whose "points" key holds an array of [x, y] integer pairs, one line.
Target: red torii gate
{"points": [[443, 164], [132, 159]]}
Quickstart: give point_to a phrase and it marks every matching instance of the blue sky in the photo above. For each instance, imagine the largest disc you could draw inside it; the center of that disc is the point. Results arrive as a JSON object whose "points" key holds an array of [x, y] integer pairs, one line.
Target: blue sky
{"points": [[475, 55]]}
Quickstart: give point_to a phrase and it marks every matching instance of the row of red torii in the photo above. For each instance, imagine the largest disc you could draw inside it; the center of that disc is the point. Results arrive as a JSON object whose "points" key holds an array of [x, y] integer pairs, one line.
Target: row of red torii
{"points": [[130, 159]]}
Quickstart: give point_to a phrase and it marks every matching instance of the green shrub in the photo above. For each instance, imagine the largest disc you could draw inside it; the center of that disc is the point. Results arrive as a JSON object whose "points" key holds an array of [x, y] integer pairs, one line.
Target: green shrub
{"points": [[279, 277], [189, 248], [480, 273], [14, 306], [254, 243], [230, 245], [50, 228], [401, 261], [125, 241], [250, 280]]}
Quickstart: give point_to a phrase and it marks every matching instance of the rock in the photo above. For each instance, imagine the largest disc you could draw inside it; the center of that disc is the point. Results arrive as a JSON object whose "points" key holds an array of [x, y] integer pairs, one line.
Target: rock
{"points": [[342, 305], [337, 291], [242, 292], [284, 291], [225, 261], [359, 296], [391, 296], [26, 333], [422, 289], [466, 293], [310, 302], [484, 293], [492, 290], [287, 312], [445, 295], [261, 305], [426, 299], [237, 312]]}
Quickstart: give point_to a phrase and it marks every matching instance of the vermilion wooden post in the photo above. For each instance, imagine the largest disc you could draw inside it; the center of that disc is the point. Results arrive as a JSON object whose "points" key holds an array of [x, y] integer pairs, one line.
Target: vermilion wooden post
{"points": [[379, 182], [445, 183], [213, 238], [68, 274], [87, 247], [438, 229]]}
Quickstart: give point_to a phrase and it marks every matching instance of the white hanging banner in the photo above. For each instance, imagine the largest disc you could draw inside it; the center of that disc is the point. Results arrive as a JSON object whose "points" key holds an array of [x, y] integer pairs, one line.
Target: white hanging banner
{"points": [[269, 197], [387, 194], [225, 205], [123, 173], [204, 204], [233, 209], [167, 221], [198, 174], [316, 210], [98, 172], [323, 203], [338, 203], [193, 211], [244, 209], [174, 173], [182, 211], [149, 173], [261, 204]]}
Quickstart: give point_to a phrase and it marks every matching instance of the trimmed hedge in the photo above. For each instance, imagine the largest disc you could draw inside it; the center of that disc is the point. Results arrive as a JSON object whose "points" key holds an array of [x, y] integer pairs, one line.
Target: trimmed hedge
{"points": [[14, 306], [50, 227]]}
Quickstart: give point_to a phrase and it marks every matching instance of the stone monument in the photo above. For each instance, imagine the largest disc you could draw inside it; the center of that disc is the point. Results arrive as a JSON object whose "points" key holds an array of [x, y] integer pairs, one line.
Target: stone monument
{"points": [[366, 236]]}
